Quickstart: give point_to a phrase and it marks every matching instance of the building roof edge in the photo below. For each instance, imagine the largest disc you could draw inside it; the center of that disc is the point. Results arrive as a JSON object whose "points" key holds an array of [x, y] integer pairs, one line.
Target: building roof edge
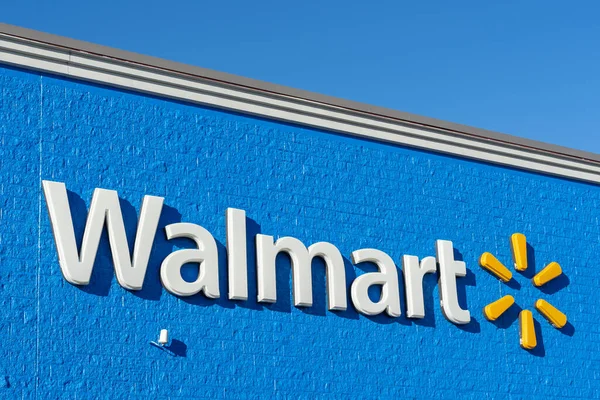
{"points": [[252, 85]]}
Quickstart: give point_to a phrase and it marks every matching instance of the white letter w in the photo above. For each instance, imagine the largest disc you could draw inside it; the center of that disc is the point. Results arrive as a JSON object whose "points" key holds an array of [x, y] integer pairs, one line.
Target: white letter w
{"points": [[77, 269]]}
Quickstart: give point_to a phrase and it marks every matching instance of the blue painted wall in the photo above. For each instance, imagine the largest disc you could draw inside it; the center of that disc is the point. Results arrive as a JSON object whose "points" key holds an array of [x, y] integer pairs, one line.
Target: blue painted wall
{"points": [[63, 341]]}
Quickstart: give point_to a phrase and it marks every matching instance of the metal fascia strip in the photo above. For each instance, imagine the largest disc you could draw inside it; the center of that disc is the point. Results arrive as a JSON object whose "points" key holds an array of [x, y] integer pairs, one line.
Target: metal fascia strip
{"points": [[107, 69]]}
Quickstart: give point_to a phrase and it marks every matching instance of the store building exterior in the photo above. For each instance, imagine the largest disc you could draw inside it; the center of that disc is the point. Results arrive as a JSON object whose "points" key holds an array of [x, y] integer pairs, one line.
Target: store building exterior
{"points": [[292, 245]]}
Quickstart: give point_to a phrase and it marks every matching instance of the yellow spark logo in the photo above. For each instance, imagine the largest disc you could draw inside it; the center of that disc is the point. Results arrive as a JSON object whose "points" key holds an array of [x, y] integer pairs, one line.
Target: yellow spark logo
{"points": [[494, 310]]}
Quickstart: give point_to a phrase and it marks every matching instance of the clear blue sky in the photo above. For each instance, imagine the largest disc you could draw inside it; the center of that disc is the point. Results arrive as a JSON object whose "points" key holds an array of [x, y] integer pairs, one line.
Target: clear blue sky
{"points": [[528, 68]]}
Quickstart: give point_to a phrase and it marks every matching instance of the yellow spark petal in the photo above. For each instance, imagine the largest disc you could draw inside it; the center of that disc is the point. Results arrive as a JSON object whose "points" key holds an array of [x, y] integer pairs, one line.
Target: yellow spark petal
{"points": [[494, 310], [518, 244], [550, 272], [527, 330], [491, 263], [551, 313]]}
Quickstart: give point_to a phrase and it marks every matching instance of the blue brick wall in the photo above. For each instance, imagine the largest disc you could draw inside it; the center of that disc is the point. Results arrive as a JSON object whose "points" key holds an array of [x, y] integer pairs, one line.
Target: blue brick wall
{"points": [[63, 341]]}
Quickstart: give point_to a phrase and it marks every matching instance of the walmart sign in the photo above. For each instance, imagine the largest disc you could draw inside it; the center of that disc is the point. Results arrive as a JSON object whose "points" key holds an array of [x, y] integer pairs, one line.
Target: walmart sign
{"points": [[77, 264]]}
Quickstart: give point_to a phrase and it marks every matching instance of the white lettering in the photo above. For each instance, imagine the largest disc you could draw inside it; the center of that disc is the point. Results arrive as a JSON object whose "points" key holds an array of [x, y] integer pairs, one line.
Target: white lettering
{"points": [[413, 282], [206, 256], [76, 268], [301, 257], [387, 277], [237, 263], [449, 270]]}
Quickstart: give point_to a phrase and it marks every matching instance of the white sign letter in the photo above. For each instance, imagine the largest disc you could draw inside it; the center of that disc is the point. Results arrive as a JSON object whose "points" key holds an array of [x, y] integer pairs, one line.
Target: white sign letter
{"points": [[449, 270], [237, 263], [266, 254], [76, 268], [206, 256], [387, 277], [413, 278]]}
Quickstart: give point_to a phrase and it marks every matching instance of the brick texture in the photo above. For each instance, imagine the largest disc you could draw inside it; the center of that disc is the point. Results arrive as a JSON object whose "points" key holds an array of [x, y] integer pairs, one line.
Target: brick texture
{"points": [[63, 341]]}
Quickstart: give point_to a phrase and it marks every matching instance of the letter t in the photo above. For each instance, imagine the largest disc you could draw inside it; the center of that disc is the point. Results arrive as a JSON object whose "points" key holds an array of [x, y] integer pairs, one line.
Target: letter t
{"points": [[449, 270]]}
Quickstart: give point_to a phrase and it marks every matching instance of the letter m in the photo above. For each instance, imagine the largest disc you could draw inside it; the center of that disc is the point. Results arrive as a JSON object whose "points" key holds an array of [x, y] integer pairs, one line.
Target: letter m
{"points": [[77, 266]]}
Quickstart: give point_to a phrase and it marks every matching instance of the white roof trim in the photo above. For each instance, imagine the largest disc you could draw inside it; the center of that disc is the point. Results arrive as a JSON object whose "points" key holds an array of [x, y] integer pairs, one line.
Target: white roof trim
{"points": [[144, 78]]}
